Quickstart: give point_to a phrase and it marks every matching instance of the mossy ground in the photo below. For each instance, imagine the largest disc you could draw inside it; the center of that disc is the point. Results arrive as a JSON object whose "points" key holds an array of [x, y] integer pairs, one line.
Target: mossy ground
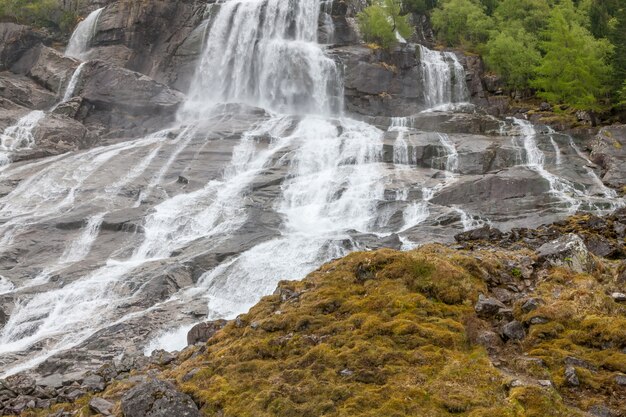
{"points": [[389, 333]]}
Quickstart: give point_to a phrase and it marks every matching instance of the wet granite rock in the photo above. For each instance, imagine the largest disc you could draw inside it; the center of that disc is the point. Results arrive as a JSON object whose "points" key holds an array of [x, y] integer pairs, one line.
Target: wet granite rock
{"points": [[157, 399], [202, 332]]}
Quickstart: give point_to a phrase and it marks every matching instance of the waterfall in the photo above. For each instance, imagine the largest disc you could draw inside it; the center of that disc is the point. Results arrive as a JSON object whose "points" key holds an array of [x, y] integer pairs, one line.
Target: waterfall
{"points": [[443, 78], [81, 38], [265, 53], [71, 86], [18, 136], [317, 175]]}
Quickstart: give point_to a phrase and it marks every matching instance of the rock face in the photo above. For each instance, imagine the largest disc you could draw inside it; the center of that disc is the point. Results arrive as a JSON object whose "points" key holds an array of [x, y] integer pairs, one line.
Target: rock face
{"points": [[127, 26], [202, 332], [15, 40], [569, 250], [157, 399], [47, 66], [125, 100], [608, 149]]}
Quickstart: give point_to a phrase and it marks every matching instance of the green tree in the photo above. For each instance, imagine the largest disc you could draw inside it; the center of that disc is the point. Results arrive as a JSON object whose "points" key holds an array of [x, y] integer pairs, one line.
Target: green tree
{"points": [[419, 6], [513, 55], [461, 22], [382, 22], [574, 68], [532, 14], [618, 38]]}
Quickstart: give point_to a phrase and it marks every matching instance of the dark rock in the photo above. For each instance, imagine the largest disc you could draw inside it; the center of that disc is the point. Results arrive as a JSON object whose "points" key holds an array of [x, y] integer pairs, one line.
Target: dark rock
{"points": [[157, 399], [538, 320], [182, 180], [608, 149], [20, 384], [93, 383], [601, 246], [531, 304], [25, 92], [545, 106], [489, 340], [161, 357], [618, 297], [51, 381], [101, 406], [202, 332], [600, 411], [513, 331], [50, 68], [620, 380], [569, 250], [579, 363], [502, 294], [488, 307], [15, 40], [571, 378], [486, 233], [123, 99]]}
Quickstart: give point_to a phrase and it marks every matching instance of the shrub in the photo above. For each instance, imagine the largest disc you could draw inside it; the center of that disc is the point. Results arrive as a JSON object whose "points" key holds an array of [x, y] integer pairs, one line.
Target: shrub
{"points": [[383, 24], [39, 13]]}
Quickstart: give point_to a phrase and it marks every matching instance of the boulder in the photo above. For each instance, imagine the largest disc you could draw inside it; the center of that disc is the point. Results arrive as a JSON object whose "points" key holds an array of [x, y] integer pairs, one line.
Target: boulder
{"points": [[571, 378], [202, 332], [120, 99], [51, 381], [608, 150], [15, 40], [20, 384], [568, 250], [486, 233], [513, 331], [157, 399], [531, 304], [101, 406], [49, 67], [619, 297], [488, 307], [620, 380], [54, 135], [25, 92]]}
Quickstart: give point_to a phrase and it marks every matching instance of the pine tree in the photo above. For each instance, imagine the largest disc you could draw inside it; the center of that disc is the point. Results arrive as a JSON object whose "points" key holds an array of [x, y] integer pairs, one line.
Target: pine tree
{"points": [[618, 38], [574, 69]]}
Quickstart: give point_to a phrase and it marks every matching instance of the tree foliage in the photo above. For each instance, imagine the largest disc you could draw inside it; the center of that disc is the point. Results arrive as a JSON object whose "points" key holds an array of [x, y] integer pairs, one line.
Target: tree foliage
{"points": [[569, 51], [40, 13], [383, 23], [461, 22], [513, 54], [574, 69]]}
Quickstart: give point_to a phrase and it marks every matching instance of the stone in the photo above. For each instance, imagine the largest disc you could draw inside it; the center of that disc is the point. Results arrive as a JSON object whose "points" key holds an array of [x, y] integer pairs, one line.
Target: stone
{"points": [[544, 106], [49, 67], [20, 384], [101, 406], [202, 332], [15, 41], [531, 304], [580, 363], [608, 150], [538, 320], [161, 357], [486, 233], [488, 307], [600, 411], [73, 377], [568, 250], [513, 331], [51, 381], [545, 383], [25, 92], [157, 399], [94, 383], [571, 377], [620, 380], [618, 297], [489, 340]]}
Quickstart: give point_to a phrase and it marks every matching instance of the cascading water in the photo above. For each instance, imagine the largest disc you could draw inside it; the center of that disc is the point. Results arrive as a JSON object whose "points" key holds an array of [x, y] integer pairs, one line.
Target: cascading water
{"points": [[81, 38], [443, 79], [18, 136], [265, 53], [298, 183]]}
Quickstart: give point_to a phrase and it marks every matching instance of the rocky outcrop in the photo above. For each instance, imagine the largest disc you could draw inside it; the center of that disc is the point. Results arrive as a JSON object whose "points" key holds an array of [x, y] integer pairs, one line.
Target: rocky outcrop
{"points": [[50, 68], [125, 27], [25, 92], [202, 332], [158, 399], [125, 101], [608, 149], [15, 41]]}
